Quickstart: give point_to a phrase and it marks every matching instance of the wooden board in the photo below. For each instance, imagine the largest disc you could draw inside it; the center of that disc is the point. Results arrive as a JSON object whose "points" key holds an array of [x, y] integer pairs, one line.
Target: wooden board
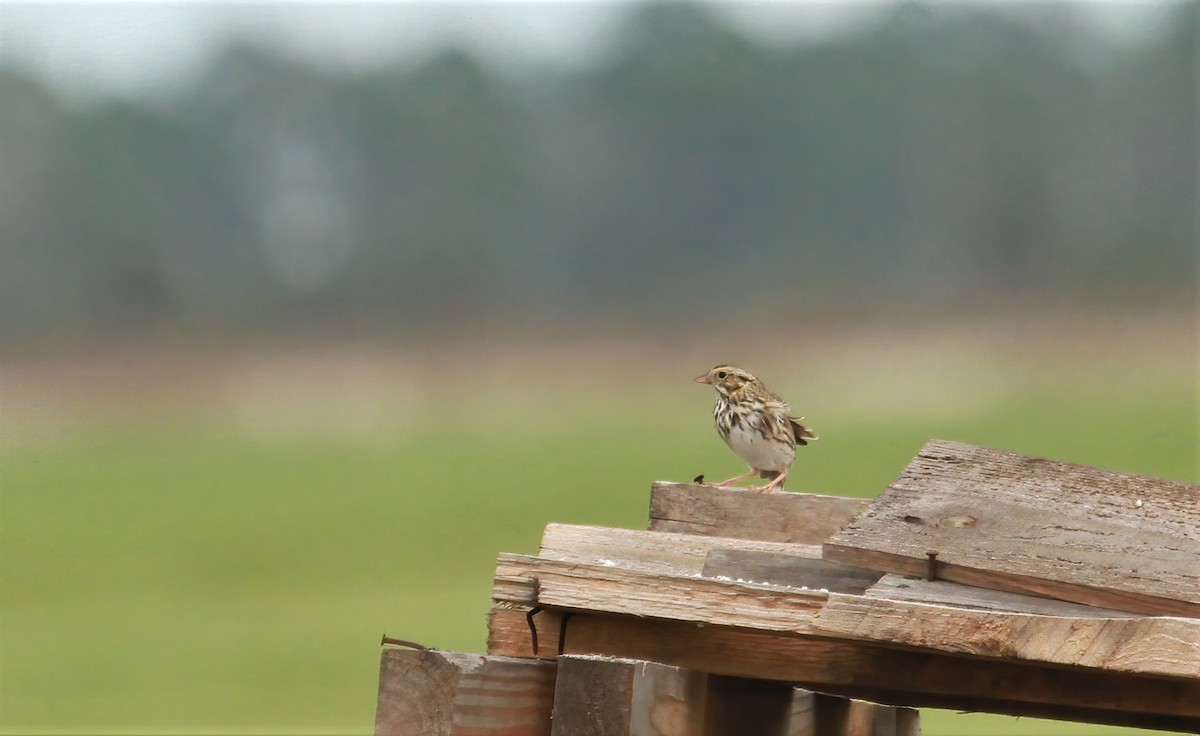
{"points": [[800, 518], [681, 554], [893, 676], [1140, 645], [1009, 522], [593, 587], [434, 693]]}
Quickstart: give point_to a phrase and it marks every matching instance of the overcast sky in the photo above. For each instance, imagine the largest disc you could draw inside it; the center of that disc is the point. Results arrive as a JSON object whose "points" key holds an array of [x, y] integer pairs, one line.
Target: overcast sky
{"points": [[86, 48]]}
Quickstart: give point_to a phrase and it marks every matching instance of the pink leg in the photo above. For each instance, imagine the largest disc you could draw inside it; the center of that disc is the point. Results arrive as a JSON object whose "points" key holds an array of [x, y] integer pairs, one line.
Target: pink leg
{"points": [[777, 483]]}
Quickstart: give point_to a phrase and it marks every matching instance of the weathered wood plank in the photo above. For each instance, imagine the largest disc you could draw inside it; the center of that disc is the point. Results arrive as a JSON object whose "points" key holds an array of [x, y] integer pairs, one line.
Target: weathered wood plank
{"points": [[1141, 645], [896, 677], [605, 696], [779, 563], [588, 587], [434, 693], [668, 552], [801, 518], [1010, 522]]}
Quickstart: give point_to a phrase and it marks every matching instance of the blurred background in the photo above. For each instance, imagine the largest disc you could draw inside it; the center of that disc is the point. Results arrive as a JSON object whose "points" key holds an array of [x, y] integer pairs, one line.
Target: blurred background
{"points": [[308, 311]]}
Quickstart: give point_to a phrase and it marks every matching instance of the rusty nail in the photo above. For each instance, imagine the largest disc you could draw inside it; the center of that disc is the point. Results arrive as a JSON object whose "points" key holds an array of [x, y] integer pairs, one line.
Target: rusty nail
{"points": [[562, 631], [931, 569], [402, 643], [533, 635]]}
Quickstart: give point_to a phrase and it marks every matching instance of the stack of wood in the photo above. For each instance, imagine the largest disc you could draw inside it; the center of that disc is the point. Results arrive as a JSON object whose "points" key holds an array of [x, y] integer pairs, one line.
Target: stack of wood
{"points": [[980, 580]]}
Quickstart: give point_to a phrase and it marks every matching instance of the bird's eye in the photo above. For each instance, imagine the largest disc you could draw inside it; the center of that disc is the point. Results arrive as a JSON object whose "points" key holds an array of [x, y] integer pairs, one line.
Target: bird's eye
{"points": [[722, 374]]}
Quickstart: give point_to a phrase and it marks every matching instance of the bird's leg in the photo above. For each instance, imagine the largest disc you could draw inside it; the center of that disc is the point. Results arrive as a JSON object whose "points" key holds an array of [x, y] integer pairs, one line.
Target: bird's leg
{"points": [[736, 478], [777, 482]]}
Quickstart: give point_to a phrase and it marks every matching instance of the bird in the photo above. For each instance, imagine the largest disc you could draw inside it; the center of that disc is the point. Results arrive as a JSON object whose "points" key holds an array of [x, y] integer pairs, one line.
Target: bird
{"points": [[754, 421]]}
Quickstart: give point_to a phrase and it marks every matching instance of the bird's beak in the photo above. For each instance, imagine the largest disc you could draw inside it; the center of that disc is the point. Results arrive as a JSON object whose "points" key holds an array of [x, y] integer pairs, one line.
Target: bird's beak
{"points": [[704, 379]]}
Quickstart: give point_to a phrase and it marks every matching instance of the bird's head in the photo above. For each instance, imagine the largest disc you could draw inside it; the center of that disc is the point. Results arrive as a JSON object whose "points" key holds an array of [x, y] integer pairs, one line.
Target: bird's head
{"points": [[727, 378]]}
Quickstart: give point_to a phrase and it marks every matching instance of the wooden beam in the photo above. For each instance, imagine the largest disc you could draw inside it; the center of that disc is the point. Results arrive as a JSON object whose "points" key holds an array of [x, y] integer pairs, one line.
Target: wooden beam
{"points": [[1009, 522], [1158, 646], [435, 693], [604, 696], [896, 677], [799, 518], [590, 587]]}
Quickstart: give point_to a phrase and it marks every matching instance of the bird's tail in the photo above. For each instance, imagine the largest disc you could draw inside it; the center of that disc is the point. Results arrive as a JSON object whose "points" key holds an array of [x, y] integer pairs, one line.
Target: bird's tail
{"points": [[802, 433]]}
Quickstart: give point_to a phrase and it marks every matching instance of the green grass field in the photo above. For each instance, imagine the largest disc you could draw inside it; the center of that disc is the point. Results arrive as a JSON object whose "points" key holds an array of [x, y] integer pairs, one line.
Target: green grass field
{"points": [[190, 569]]}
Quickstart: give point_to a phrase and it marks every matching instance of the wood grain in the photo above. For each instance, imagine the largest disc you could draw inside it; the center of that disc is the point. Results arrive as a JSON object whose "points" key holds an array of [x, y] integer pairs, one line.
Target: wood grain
{"points": [[1159, 646], [434, 693], [1023, 524], [800, 518]]}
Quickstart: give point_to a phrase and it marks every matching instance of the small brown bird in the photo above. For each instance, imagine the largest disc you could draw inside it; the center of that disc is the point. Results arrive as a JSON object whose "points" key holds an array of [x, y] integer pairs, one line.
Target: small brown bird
{"points": [[753, 420]]}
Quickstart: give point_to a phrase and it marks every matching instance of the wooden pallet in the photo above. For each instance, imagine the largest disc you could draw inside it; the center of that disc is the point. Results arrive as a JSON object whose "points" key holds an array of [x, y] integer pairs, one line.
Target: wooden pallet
{"points": [[980, 580]]}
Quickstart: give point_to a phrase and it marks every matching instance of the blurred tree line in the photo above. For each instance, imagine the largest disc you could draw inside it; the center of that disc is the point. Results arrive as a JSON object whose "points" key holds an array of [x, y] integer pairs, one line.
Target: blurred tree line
{"points": [[693, 173]]}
